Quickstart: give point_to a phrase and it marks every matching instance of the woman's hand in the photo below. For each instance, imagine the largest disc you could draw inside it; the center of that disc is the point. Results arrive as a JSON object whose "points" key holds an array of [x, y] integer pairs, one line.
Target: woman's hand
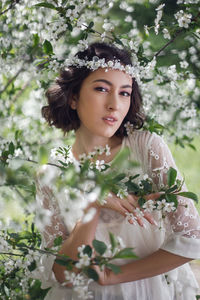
{"points": [[104, 275], [129, 205]]}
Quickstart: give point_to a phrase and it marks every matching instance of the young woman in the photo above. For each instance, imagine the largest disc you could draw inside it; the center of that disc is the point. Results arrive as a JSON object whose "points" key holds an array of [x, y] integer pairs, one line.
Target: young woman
{"points": [[96, 96]]}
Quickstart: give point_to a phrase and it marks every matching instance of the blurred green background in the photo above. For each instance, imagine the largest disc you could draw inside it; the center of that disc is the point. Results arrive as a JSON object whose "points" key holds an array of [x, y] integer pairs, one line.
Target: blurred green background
{"points": [[188, 163]]}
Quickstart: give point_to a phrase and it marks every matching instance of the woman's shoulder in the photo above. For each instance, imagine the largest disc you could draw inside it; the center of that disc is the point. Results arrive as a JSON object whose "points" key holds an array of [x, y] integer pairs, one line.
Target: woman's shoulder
{"points": [[143, 138]]}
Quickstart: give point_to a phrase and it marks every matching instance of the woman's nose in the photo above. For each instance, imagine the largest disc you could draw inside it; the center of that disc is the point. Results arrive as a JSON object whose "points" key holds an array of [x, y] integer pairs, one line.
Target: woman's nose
{"points": [[113, 103]]}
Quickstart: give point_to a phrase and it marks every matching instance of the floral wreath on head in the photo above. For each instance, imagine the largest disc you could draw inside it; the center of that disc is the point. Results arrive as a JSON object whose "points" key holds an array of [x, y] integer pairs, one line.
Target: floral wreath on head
{"points": [[97, 63]]}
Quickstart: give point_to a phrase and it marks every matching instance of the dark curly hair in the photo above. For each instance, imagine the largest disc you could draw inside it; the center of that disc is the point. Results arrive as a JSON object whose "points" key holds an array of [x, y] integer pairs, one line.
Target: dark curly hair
{"points": [[59, 113]]}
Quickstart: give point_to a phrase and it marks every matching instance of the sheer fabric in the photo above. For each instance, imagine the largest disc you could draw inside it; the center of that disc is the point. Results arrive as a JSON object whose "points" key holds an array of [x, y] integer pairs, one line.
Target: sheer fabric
{"points": [[179, 233]]}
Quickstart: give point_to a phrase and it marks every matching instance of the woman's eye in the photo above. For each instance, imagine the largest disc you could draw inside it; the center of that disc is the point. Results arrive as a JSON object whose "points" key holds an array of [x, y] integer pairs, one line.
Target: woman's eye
{"points": [[125, 94], [101, 89]]}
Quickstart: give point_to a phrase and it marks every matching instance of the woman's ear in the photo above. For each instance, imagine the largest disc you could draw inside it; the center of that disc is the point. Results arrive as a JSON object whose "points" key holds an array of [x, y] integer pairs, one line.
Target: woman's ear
{"points": [[74, 102]]}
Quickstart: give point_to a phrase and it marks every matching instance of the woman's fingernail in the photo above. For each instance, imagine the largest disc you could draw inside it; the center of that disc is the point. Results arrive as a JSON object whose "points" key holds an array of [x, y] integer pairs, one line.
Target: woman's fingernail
{"points": [[144, 225]]}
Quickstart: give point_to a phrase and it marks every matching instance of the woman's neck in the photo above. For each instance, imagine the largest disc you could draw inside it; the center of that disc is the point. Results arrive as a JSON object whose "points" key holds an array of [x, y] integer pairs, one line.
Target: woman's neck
{"points": [[86, 144]]}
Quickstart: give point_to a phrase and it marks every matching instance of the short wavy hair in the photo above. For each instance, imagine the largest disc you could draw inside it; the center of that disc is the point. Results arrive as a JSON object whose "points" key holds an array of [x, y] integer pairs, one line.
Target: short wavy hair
{"points": [[59, 113]]}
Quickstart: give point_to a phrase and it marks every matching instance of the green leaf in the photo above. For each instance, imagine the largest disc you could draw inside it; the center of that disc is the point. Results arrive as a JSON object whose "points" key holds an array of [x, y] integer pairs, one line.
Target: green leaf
{"points": [[69, 26], [32, 266], [11, 148], [121, 159], [171, 176], [126, 253], [189, 195], [192, 147], [63, 262], [172, 189], [32, 227], [45, 4], [99, 246], [119, 177], [91, 273], [114, 268], [91, 25], [43, 155], [47, 47], [141, 201], [172, 198], [113, 241], [36, 40], [147, 186], [132, 187], [22, 245], [88, 250], [58, 241]]}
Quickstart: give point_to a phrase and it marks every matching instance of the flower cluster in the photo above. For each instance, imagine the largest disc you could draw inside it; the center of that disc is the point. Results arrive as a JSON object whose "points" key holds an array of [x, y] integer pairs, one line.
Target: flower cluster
{"points": [[159, 10], [80, 284]]}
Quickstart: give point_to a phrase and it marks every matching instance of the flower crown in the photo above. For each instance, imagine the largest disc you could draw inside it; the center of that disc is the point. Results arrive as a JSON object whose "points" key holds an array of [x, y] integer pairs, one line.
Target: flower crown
{"points": [[97, 63]]}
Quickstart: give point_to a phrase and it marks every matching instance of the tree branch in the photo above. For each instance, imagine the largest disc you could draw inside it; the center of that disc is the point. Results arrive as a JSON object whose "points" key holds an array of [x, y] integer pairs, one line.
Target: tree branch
{"points": [[176, 35], [21, 91], [36, 162], [10, 7], [11, 80]]}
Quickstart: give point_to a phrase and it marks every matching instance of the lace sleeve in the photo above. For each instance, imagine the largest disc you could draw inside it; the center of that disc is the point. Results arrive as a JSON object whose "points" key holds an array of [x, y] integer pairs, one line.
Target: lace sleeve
{"points": [[51, 225], [185, 221]]}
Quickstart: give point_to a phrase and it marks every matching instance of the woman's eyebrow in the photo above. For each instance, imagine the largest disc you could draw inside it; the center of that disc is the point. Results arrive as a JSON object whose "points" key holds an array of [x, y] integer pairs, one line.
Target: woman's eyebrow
{"points": [[110, 83]]}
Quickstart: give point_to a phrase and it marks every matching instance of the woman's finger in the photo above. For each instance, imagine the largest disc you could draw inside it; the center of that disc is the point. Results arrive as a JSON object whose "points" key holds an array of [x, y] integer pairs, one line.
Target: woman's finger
{"points": [[149, 218], [152, 196], [132, 200]]}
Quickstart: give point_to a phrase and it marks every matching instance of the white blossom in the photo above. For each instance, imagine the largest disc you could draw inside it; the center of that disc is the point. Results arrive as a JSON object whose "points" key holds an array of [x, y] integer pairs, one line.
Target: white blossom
{"points": [[129, 128], [100, 165], [146, 29], [159, 10], [122, 193], [166, 33], [124, 5], [128, 19], [83, 261], [18, 152], [149, 206], [183, 18], [184, 64]]}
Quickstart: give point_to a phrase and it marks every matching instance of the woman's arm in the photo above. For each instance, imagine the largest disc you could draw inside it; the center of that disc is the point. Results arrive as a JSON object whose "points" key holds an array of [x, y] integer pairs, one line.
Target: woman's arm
{"points": [[157, 263], [83, 233]]}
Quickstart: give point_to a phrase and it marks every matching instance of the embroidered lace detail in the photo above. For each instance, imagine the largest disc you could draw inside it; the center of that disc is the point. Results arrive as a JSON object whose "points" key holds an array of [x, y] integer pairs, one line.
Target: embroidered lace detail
{"points": [[185, 220], [108, 216], [55, 227]]}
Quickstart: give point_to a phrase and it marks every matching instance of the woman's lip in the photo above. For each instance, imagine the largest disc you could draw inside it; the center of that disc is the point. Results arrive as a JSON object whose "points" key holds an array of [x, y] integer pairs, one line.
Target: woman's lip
{"points": [[109, 120]]}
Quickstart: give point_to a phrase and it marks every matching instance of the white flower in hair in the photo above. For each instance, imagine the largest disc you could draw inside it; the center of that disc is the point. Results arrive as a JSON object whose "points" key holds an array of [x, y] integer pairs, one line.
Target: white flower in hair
{"points": [[97, 63], [129, 128]]}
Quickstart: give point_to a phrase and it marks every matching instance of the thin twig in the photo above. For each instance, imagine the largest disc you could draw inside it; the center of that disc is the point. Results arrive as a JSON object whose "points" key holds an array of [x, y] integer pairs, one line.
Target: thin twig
{"points": [[36, 162], [176, 35], [10, 7], [21, 91], [11, 80], [11, 254], [99, 33], [171, 41]]}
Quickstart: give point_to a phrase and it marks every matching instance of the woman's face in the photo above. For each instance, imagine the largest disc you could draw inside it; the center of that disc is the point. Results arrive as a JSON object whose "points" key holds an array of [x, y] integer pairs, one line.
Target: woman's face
{"points": [[103, 102]]}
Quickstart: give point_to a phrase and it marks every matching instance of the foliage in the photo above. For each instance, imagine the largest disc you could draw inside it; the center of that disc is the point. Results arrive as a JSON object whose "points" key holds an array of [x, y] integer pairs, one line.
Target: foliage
{"points": [[35, 39]]}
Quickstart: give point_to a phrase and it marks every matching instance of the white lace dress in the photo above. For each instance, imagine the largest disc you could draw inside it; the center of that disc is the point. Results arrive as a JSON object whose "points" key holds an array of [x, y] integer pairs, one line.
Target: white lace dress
{"points": [[180, 234]]}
